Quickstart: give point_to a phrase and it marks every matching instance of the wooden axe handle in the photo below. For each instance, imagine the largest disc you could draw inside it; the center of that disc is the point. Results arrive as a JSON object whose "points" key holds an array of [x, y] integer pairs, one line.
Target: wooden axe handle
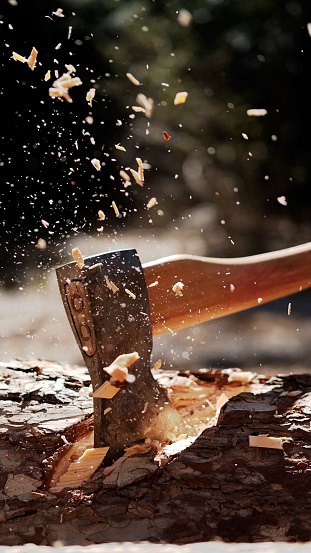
{"points": [[214, 287]]}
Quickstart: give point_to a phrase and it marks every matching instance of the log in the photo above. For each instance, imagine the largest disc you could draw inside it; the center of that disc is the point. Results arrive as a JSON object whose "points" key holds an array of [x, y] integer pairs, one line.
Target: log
{"points": [[225, 484]]}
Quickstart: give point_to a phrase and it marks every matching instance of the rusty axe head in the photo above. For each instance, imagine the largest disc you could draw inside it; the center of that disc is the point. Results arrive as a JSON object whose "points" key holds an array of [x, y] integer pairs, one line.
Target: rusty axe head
{"points": [[107, 305]]}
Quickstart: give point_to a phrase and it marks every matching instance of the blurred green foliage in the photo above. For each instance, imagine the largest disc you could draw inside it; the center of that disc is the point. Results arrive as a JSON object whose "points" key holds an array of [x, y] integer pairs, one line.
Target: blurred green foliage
{"points": [[229, 56]]}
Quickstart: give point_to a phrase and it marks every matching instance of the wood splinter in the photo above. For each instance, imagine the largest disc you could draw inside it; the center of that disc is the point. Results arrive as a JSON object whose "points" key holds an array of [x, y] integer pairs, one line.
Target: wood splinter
{"points": [[120, 377]]}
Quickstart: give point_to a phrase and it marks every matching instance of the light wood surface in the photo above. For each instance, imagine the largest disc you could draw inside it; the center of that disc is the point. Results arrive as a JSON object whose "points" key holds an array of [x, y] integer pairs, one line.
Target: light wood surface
{"points": [[215, 287]]}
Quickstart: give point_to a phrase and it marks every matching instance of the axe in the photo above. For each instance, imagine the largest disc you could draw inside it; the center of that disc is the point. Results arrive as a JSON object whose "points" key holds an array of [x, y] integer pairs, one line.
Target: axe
{"points": [[115, 305]]}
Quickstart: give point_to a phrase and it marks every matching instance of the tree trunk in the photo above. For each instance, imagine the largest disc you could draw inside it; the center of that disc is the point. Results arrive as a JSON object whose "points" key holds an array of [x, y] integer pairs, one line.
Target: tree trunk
{"points": [[217, 487]]}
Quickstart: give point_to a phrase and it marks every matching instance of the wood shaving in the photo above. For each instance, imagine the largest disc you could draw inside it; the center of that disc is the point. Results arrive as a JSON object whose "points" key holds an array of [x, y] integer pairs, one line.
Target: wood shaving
{"points": [[101, 215], [71, 68], [180, 98], [78, 257], [95, 265], [133, 79], [244, 136], [119, 147], [130, 293], [136, 176], [32, 60], [138, 109], [111, 285], [47, 76], [45, 223], [155, 283], [140, 169], [177, 288], [157, 365], [256, 112], [282, 200], [90, 95], [124, 175], [146, 103], [266, 441], [96, 163], [62, 84], [69, 32], [152, 202], [17, 57], [58, 13], [115, 208], [59, 45], [118, 372]]}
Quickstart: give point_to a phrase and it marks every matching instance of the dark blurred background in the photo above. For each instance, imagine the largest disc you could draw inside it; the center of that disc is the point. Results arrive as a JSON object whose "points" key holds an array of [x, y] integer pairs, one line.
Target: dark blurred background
{"points": [[210, 181]]}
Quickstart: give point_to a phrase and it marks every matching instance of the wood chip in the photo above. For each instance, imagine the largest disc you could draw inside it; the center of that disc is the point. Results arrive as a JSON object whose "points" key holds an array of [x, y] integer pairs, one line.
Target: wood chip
{"points": [[118, 372], [115, 208], [119, 147], [32, 60], [47, 76], [96, 163], [152, 202], [62, 84], [90, 95], [146, 103], [130, 293], [111, 285], [256, 112], [138, 109], [157, 365], [140, 169], [166, 136], [58, 13], [282, 200], [136, 176], [17, 57], [45, 223], [133, 79], [180, 98], [124, 175], [101, 215], [177, 288], [78, 257], [266, 441]]}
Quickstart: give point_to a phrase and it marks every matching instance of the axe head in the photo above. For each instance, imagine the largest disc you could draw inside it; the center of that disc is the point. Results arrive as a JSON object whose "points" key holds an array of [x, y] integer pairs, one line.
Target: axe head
{"points": [[108, 309]]}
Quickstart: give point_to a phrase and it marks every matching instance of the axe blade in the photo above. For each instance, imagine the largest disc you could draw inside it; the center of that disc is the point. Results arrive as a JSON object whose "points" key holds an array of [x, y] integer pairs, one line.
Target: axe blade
{"points": [[108, 309]]}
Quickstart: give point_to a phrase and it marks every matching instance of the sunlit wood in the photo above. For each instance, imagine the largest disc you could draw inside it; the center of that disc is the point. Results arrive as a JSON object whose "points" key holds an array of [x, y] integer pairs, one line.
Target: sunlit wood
{"points": [[214, 287]]}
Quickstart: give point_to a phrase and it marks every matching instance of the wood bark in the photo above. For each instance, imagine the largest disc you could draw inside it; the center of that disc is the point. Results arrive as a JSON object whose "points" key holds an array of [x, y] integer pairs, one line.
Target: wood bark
{"points": [[216, 488]]}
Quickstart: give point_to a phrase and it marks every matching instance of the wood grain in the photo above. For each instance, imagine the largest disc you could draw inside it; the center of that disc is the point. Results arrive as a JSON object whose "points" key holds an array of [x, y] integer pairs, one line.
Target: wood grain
{"points": [[214, 288]]}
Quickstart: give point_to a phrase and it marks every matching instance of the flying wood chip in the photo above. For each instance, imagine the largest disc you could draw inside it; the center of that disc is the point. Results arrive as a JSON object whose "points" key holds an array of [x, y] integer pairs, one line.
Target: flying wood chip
{"points": [[166, 135]]}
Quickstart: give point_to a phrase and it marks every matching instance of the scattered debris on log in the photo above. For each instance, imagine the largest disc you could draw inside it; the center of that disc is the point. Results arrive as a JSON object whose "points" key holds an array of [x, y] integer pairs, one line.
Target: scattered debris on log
{"points": [[215, 485]]}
